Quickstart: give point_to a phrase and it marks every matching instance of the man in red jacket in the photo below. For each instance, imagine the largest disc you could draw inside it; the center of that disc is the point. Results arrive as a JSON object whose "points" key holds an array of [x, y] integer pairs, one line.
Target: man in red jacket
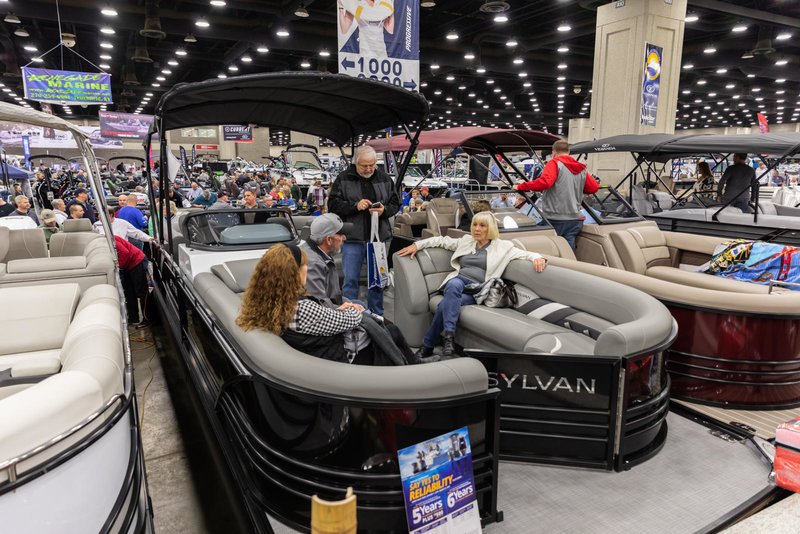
{"points": [[133, 273], [563, 183]]}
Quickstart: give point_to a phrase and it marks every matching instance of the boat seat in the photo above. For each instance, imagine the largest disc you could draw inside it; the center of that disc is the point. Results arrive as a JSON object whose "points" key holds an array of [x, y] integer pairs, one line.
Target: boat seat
{"points": [[641, 247], [22, 244], [221, 291], [76, 225], [441, 213], [53, 378], [559, 310], [546, 245], [706, 281]]}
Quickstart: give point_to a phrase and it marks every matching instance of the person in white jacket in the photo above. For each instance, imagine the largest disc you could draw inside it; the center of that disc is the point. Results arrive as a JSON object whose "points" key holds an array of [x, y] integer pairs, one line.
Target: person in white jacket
{"points": [[477, 257]]}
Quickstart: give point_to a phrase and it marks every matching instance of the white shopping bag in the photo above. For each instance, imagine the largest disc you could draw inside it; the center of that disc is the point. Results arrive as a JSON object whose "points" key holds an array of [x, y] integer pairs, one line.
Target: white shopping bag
{"points": [[377, 261]]}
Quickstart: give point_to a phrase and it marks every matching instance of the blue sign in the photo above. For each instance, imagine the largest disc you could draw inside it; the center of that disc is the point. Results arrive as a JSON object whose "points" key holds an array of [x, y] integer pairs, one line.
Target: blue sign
{"points": [[26, 149], [63, 86], [438, 485], [379, 40], [651, 84]]}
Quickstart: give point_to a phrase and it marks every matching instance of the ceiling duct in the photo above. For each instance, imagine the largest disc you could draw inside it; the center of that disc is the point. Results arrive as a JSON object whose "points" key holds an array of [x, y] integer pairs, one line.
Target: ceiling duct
{"points": [[152, 22], [129, 74], [495, 6], [764, 43], [140, 53], [127, 92], [123, 105]]}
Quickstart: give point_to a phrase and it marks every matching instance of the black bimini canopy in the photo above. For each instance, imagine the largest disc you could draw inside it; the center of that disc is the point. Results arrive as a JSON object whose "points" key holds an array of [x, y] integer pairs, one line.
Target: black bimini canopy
{"points": [[332, 106], [662, 147]]}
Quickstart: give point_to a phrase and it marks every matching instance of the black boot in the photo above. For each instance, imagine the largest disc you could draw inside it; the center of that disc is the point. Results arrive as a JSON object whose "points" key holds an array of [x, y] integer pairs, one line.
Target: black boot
{"points": [[426, 355], [448, 346]]}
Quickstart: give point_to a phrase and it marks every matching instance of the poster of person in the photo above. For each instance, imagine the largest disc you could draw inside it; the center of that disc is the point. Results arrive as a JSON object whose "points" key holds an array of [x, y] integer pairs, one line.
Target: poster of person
{"points": [[379, 40], [114, 124], [438, 485]]}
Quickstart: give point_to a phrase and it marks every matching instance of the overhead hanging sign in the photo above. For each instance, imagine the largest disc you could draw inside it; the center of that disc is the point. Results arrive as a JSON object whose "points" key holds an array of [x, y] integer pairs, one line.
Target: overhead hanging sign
{"points": [[763, 125], [237, 132], [438, 485], [205, 147], [651, 83], [63, 86], [379, 40], [124, 125]]}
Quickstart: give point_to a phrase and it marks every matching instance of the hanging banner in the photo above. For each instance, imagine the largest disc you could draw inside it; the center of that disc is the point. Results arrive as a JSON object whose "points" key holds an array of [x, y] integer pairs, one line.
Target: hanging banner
{"points": [[184, 160], [237, 133], [124, 125], [438, 485], [651, 83], [206, 147], [26, 150], [380, 41], [194, 154], [763, 125], [66, 87]]}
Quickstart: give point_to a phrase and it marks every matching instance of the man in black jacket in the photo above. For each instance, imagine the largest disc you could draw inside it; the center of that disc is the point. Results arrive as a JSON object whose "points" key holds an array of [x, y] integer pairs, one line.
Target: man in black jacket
{"points": [[358, 188]]}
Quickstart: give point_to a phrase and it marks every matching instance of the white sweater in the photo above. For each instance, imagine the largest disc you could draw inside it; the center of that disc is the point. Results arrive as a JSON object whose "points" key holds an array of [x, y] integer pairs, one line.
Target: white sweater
{"points": [[498, 254]]}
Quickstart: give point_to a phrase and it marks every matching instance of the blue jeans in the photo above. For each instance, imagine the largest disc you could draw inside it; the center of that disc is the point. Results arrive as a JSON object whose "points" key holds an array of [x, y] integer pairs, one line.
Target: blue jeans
{"points": [[353, 256], [742, 203], [569, 230], [448, 310]]}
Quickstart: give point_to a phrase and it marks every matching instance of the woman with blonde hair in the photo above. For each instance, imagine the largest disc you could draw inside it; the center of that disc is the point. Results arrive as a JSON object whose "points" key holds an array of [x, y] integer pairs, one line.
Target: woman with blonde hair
{"points": [[276, 301], [477, 257]]}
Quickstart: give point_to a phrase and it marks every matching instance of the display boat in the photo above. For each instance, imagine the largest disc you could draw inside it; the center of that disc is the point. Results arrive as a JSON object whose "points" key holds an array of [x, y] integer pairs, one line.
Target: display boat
{"points": [[69, 424]]}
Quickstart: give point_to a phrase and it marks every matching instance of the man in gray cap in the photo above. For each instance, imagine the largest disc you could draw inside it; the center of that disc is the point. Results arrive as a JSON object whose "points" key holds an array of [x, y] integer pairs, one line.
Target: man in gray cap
{"points": [[326, 239]]}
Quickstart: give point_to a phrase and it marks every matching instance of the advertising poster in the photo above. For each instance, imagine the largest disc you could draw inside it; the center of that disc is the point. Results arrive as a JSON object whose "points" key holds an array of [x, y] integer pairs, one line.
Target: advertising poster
{"points": [[438, 485], [651, 83], [763, 125], [124, 125], [379, 40], [194, 154], [26, 150], [11, 134], [237, 133], [63, 86]]}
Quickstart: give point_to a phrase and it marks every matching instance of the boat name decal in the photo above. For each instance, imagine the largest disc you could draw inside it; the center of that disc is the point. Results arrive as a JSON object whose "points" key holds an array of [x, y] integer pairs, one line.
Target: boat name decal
{"points": [[543, 383]]}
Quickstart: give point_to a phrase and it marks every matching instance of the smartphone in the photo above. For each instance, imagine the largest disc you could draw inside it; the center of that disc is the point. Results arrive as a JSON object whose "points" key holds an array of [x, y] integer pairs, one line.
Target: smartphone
{"points": [[375, 205]]}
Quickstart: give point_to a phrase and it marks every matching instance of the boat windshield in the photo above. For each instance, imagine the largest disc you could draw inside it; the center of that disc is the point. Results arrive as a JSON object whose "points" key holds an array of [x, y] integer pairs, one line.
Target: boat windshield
{"points": [[512, 210], [607, 206], [303, 159], [237, 228]]}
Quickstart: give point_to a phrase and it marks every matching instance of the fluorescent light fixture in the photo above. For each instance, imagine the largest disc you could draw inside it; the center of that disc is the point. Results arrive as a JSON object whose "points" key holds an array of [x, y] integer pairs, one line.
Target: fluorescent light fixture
{"points": [[233, 68], [166, 71], [305, 64], [246, 59], [106, 45], [518, 61], [511, 43], [262, 49], [108, 11], [222, 75], [739, 28], [180, 52], [30, 48], [172, 62], [451, 36], [783, 36], [217, 3], [282, 32], [161, 78], [434, 66], [104, 66], [709, 50], [481, 70], [691, 17], [781, 62], [37, 60], [501, 18], [564, 27], [563, 49], [324, 53], [202, 23], [107, 30], [105, 56]]}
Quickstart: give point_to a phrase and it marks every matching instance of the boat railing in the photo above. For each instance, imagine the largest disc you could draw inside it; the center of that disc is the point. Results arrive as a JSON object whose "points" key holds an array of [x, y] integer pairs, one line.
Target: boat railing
{"points": [[782, 283], [10, 465]]}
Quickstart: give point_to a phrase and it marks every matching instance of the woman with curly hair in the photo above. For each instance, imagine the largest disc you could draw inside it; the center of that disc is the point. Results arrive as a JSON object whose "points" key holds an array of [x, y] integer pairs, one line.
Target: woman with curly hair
{"points": [[276, 301]]}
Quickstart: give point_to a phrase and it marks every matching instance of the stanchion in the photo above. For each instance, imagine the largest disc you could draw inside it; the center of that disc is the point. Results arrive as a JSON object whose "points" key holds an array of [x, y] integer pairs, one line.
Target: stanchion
{"points": [[334, 517]]}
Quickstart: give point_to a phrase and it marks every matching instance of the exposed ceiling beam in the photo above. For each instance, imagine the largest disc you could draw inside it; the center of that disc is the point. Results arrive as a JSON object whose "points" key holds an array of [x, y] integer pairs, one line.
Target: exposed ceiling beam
{"points": [[746, 12]]}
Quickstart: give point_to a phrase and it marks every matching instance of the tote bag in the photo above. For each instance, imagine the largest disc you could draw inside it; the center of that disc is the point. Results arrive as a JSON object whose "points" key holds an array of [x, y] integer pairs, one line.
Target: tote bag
{"points": [[377, 261]]}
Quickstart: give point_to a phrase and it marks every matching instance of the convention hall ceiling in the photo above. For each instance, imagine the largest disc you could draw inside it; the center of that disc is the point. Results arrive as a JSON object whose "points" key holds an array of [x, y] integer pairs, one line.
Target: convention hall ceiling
{"points": [[527, 65]]}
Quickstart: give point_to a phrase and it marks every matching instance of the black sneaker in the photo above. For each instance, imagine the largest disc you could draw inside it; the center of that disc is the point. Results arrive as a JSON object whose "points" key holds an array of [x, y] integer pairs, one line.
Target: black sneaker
{"points": [[448, 346]]}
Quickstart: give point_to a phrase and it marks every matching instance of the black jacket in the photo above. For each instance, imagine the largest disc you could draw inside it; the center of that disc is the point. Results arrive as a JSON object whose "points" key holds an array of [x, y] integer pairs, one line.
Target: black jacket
{"points": [[349, 188]]}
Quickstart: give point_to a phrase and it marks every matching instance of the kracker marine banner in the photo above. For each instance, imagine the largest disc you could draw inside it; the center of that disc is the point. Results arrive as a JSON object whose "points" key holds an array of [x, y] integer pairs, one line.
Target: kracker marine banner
{"points": [[438, 485], [124, 125], [63, 86], [379, 40], [237, 132], [651, 83]]}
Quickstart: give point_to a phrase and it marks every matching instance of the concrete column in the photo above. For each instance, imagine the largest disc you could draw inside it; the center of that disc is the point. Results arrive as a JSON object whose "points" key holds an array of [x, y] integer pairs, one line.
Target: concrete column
{"points": [[580, 130], [227, 149], [298, 138], [623, 30]]}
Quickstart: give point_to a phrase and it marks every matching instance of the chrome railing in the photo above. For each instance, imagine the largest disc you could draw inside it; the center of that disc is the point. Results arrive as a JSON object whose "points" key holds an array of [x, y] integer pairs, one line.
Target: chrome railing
{"points": [[773, 283]]}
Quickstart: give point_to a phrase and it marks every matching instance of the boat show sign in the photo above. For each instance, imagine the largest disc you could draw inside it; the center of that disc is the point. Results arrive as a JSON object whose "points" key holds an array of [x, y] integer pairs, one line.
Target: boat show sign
{"points": [[379, 40], [651, 83], [63, 86], [438, 485], [124, 125], [237, 133]]}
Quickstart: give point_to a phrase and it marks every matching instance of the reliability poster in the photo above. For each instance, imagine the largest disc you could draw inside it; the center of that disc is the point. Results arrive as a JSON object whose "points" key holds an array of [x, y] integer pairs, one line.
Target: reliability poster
{"points": [[66, 87], [237, 133], [651, 83], [379, 40], [438, 485], [124, 125]]}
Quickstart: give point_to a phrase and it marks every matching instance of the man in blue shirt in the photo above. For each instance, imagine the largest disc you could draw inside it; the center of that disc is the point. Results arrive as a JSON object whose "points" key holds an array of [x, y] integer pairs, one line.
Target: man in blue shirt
{"points": [[205, 200], [132, 214]]}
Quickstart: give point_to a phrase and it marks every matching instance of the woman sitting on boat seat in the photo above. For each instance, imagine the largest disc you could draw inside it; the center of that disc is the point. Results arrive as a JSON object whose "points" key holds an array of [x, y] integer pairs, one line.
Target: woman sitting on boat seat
{"points": [[276, 301], [478, 257]]}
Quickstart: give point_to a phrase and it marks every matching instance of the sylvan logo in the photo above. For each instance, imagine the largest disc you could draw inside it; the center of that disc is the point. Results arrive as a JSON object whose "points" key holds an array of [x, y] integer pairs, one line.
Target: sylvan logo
{"points": [[605, 147], [543, 383]]}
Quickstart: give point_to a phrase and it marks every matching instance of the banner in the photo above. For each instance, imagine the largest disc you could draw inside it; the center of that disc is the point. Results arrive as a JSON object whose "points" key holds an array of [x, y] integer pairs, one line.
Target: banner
{"points": [[438, 485], [194, 154], [11, 134], [206, 147], [184, 161], [124, 125], [237, 133], [380, 41], [63, 86], [651, 83], [763, 125], [26, 150]]}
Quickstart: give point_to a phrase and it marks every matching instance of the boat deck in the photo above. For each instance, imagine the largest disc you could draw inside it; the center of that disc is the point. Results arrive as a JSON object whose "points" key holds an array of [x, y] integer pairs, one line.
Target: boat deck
{"points": [[765, 422]]}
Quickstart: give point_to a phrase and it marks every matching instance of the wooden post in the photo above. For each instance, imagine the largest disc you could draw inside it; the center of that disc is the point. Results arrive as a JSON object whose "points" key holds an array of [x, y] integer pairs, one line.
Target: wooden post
{"points": [[334, 517]]}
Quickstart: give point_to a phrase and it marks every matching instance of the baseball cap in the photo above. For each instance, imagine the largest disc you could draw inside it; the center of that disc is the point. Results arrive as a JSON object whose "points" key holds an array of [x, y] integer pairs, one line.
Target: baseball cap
{"points": [[329, 224], [47, 215]]}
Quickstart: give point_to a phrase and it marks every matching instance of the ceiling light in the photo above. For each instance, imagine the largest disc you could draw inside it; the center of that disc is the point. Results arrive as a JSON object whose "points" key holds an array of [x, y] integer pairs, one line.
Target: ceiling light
{"points": [[21, 32], [562, 66], [180, 52], [450, 78], [740, 28], [730, 86], [563, 49], [701, 82], [222, 75], [262, 49], [518, 61], [11, 18], [481, 70], [451, 36], [709, 50], [233, 68], [561, 78], [172, 62], [202, 23], [781, 62], [107, 30], [469, 55], [511, 43], [301, 12], [783, 36], [156, 84], [104, 66], [722, 71], [105, 56], [688, 66], [108, 11], [564, 27], [30, 48], [427, 3], [305, 64], [166, 71], [526, 84], [190, 38], [161, 78], [282, 32], [522, 74], [780, 80], [246, 59], [500, 18], [691, 17], [489, 81], [106, 44], [751, 75], [37, 60], [324, 53]]}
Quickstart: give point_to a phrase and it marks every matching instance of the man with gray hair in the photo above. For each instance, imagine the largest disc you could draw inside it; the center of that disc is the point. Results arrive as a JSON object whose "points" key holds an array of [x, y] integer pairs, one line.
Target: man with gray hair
{"points": [[328, 234], [24, 208], [60, 209], [358, 192]]}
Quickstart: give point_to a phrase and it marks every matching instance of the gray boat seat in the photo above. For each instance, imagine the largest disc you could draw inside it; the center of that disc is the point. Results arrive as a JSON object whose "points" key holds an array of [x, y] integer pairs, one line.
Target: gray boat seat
{"points": [[441, 213], [22, 244], [560, 311], [641, 247], [546, 245], [268, 355], [77, 225], [53, 378]]}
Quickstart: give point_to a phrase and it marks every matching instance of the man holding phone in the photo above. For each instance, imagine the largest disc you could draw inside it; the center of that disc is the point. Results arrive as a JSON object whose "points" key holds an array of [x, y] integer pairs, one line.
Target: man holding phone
{"points": [[359, 191]]}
